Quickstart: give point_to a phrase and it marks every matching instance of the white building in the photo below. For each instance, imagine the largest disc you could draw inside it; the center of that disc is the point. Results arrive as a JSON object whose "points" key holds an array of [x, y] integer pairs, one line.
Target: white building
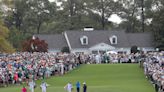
{"points": [[98, 41]]}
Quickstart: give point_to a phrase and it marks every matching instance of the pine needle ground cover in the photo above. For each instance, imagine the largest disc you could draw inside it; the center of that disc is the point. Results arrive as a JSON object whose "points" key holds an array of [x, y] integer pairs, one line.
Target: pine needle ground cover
{"points": [[99, 78]]}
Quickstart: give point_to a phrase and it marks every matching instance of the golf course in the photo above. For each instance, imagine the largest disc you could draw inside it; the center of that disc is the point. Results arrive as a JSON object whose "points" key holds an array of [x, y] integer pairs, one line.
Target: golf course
{"points": [[99, 78]]}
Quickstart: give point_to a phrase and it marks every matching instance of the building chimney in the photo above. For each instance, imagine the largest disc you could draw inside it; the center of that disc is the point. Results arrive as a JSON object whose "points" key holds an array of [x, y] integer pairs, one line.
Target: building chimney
{"points": [[88, 29]]}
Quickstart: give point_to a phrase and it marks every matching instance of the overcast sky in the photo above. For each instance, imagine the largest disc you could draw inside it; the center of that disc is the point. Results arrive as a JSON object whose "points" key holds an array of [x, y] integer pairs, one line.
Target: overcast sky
{"points": [[114, 18], [51, 0]]}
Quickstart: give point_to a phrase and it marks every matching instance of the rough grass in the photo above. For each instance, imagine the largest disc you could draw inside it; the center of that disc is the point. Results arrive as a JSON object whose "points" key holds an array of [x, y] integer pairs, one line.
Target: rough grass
{"points": [[99, 78]]}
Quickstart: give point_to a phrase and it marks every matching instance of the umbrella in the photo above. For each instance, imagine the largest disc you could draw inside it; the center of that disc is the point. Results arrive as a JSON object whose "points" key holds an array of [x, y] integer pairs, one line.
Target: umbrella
{"points": [[111, 52]]}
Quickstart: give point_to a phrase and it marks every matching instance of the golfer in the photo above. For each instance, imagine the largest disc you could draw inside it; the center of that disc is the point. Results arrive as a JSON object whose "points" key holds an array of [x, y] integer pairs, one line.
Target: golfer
{"points": [[84, 87], [43, 86], [31, 85], [78, 86], [69, 87]]}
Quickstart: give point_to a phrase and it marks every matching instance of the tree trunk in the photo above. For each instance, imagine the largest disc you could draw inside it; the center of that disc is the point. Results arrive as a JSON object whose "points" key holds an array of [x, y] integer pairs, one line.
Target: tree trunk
{"points": [[133, 21], [143, 16], [102, 15], [38, 27], [71, 8]]}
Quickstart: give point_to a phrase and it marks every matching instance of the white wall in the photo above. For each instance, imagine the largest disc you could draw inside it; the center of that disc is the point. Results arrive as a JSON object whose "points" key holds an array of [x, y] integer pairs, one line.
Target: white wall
{"points": [[127, 50], [102, 46], [54, 50], [84, 50], [145, 49]]}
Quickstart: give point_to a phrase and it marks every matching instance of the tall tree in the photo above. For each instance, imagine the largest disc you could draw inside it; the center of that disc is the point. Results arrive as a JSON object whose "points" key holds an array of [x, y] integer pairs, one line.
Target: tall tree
{"points": [[5, 46], [16, 16], [130, 13], [16, 38], [7, 2], [73, 11], [41, 11], [105, 8], [83, 13], [156, 13], [143, 15], [29, 15]]}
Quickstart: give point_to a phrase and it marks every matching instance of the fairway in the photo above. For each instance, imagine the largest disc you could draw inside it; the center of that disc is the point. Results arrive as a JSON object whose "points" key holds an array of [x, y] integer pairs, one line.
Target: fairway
{"points": [[99, 78]]}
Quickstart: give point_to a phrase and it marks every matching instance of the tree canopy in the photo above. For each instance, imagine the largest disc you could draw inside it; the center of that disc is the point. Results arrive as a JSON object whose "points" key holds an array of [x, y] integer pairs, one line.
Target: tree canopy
{"points": [[28, 17], [5, 46]]}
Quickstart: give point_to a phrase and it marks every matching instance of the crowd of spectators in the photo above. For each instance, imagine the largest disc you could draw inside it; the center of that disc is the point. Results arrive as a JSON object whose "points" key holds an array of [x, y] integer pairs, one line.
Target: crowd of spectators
{"points": [[20, 67], [154, 69], [17, 68]]}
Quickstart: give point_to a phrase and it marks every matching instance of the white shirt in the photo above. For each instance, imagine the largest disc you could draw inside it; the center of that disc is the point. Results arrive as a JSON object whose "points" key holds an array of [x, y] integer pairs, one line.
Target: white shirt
{"points": [[69, 87], [31, 84], [43, 86], [62, 69]]}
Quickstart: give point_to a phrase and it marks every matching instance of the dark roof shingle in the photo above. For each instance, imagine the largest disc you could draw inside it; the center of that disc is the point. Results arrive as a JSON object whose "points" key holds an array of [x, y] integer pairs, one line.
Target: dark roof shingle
{"points": [[96, 37], [56, 41], [124, 39], [141, 39]]}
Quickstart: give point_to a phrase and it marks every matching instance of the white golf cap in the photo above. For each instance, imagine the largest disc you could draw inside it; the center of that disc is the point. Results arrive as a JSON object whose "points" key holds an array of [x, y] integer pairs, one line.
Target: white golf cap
{"points": [[84, 83]]}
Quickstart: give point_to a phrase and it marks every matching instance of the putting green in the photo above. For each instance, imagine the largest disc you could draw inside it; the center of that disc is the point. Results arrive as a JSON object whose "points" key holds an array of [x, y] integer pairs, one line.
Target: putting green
{"points": [[99, 78]]}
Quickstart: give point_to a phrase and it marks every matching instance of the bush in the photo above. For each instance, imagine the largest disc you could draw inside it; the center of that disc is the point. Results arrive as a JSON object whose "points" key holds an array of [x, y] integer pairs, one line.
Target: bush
{"points": [[134, 49], [65, 49]]}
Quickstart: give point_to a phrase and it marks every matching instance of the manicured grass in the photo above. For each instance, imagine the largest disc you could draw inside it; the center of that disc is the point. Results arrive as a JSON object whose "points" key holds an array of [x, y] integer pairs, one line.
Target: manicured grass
{"points": [[99, 78]]}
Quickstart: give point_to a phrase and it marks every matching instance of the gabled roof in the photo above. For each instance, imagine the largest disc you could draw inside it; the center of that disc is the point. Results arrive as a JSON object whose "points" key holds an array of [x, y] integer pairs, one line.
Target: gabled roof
{"points": [[96, 37], [56, 41], [141, 39]]}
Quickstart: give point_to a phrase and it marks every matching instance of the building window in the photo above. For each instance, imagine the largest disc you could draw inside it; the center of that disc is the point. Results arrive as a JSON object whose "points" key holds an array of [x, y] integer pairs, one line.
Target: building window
{"points": [[84, 40], [113, 39]]}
